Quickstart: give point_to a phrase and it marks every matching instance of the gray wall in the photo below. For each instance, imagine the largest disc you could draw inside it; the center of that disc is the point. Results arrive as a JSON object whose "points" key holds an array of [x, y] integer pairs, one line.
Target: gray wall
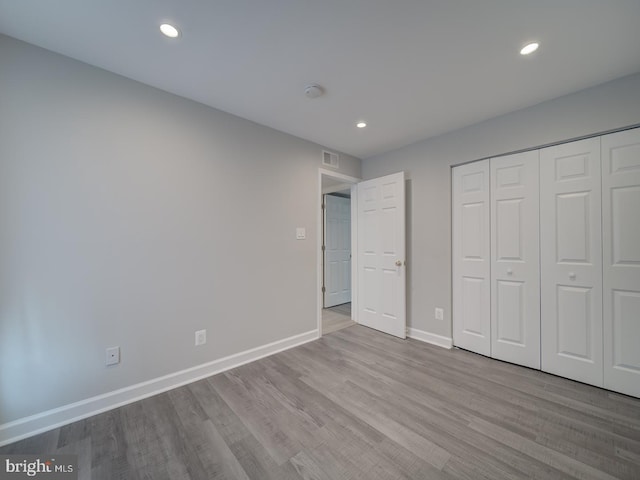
{"points": [[132, 217], [606, 107]]}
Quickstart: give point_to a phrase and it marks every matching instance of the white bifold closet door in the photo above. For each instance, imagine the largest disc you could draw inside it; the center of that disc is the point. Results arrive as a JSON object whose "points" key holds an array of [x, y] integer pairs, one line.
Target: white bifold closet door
{"points": [[515, 252], [571, 261], [471, 257], [621, 257]]}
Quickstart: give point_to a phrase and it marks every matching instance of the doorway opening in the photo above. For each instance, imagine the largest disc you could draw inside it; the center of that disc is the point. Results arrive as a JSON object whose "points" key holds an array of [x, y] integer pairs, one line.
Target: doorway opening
{"points": [[336, 253], [378, 265], [336, 318], [336, 282]]}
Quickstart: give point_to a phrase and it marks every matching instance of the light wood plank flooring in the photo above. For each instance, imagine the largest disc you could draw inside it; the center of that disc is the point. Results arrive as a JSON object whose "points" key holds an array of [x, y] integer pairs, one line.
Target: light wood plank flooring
{"points": [[358, 404], [336, 318]]}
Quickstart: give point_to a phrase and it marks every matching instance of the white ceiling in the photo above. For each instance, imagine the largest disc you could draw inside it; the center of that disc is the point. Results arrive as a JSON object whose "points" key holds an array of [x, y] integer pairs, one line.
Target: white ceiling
{"points": [[411, 69]]}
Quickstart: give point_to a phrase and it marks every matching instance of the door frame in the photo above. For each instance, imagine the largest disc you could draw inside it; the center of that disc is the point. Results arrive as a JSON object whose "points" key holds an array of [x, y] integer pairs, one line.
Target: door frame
{"points": [[346, 181]]}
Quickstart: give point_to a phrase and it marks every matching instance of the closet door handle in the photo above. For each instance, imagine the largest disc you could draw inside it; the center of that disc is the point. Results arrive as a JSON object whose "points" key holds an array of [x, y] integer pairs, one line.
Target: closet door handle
{"points": [[572, 275], [509, 271]]}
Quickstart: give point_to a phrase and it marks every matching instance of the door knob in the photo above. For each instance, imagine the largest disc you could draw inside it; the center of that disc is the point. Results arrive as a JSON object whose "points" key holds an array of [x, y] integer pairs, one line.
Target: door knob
{"points": [[509, 271], [572, 275], [398, 263]]}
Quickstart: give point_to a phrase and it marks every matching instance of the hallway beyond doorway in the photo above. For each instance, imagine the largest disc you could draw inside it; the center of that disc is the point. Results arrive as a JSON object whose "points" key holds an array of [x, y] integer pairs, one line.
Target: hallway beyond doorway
{"points": [[336, 318]]}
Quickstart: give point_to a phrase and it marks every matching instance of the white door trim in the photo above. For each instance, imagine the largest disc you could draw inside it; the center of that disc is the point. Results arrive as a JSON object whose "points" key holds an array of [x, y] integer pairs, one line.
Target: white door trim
{"points": [[345, 181]]}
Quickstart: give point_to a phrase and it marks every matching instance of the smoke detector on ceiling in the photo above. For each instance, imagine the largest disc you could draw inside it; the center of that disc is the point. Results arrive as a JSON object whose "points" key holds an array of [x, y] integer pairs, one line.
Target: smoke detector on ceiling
{"points": [[313, 91]]}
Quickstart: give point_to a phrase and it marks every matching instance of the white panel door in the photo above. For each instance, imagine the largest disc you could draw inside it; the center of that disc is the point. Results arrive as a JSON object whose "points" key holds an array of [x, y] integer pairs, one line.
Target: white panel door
{"points": [[621, 260], [571, 261], [381, 254], [337, 250], [515, 259], [471, 257]]}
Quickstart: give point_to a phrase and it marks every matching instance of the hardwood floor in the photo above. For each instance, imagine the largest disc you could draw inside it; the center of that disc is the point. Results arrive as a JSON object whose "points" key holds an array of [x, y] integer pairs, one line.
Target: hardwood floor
{"points": [[336, 318], [358, 404]]}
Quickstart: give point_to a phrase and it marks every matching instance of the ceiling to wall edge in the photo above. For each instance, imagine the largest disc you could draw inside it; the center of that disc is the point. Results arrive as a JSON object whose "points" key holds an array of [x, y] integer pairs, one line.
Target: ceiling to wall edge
{"points": [[551, 144]]}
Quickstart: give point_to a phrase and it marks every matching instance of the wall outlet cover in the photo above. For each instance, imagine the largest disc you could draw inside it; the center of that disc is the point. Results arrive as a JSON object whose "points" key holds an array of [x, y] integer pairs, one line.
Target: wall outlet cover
{"points": [[439, 313]]}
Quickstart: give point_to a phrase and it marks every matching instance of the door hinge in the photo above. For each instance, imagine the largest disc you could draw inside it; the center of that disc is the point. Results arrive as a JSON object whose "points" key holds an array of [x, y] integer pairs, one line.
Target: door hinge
{"points": [[322, 206], [323, 248], [323, 289]]}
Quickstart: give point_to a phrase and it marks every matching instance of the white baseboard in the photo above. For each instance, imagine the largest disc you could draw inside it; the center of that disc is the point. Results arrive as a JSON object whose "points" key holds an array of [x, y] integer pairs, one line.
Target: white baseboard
{"points": [[432, 338], [57, 417]]}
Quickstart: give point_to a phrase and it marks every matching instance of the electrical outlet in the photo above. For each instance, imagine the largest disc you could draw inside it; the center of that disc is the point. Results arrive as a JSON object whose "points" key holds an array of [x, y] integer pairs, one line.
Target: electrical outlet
{"points": [[112, 356], [201, 337], [439, 313]]}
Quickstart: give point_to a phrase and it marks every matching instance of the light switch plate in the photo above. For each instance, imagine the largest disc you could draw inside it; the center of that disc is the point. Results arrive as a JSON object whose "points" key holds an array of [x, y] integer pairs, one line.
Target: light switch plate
{"points": [[301, 233], [439, 313], [201, 337]]}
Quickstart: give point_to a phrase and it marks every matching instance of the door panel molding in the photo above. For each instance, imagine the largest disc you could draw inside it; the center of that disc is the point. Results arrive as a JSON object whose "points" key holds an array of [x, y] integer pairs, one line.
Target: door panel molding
{"points": [[571, 261], [621, 260], [515, 259], [471, 257], [337, 250], [381, 253]]}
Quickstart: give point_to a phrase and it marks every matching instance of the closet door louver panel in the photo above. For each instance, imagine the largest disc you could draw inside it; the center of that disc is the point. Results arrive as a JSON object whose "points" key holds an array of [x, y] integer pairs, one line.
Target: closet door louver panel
{"points": [[571, 261]]}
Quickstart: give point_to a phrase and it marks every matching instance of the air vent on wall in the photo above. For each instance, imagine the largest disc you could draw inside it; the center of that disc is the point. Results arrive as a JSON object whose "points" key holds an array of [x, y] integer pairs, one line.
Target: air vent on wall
{"points": [[330, 159]]}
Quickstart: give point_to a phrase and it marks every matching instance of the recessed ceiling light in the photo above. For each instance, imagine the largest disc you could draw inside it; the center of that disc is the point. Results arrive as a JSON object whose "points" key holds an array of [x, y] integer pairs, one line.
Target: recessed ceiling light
{"points": [[361, 124], [529, 48], [169, 30]]}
